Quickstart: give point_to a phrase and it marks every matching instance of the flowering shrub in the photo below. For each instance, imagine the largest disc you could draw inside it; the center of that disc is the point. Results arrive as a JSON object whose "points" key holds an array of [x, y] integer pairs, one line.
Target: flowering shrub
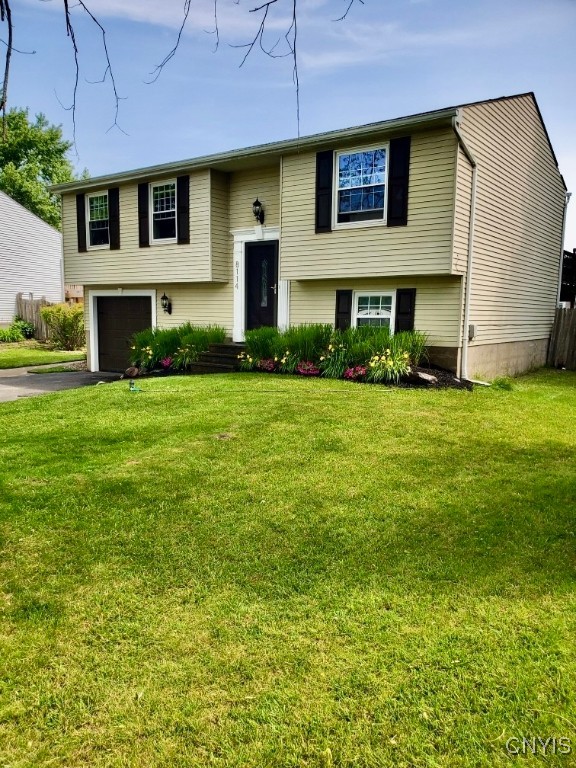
{"points": [[306, 368], [357, 373], [246, 362], [366, 353], [335, 360], [268, 365], [388, 367], [181, 346]]}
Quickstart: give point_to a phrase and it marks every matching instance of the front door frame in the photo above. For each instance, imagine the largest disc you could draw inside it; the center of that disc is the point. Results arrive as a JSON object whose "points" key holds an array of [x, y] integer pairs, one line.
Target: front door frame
{"points": [[94, 358], [254, 235]]}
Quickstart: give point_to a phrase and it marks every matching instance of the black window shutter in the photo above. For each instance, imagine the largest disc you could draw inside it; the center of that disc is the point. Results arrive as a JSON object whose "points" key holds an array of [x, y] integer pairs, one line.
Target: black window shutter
{"points": [[81, 222], [398, 173], [405, 306], [143, 225], [183, 209], [114, 218], [343, 310], [324, 173]]}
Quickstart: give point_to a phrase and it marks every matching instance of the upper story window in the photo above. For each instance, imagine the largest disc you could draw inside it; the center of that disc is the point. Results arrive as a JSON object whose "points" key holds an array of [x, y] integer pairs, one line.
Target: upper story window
{"points": [[360, 185], [163, 206], [98, 220], [375, 309]]}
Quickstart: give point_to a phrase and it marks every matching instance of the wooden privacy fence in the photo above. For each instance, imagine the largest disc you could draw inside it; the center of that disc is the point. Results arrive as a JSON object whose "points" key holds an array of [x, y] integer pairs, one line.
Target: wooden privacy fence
{"points": [[562, 347], [29, 310]]}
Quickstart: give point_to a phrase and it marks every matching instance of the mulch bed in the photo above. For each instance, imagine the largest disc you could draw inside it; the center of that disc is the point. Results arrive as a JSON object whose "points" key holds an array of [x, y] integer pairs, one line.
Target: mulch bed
{"points": [[444, 380]]}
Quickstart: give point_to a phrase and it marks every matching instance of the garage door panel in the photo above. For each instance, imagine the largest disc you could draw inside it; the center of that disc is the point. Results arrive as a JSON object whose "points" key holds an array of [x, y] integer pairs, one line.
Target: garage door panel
{"points": [[119, 318]]}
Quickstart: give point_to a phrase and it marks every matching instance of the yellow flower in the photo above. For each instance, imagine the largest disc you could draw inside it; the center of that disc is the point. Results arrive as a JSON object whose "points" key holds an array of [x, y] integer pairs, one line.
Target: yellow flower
{"points": [[322, 358]]}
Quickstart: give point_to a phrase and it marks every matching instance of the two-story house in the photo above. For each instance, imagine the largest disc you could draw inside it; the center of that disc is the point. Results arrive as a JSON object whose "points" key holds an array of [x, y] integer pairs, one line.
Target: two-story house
{"points": [[449, 222]]}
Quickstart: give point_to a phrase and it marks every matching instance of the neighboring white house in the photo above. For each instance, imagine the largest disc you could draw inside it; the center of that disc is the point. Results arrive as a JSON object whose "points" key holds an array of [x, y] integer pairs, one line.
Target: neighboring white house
{"points": [[30, 258]]}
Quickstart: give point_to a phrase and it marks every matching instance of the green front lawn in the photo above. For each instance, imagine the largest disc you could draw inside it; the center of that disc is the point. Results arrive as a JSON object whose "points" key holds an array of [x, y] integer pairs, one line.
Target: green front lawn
{"points": [[24, 353], [249, 570]]}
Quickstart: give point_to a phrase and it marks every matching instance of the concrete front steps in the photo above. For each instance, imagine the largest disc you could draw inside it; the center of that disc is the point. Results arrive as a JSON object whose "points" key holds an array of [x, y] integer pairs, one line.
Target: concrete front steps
{"points": [[220, 358]]}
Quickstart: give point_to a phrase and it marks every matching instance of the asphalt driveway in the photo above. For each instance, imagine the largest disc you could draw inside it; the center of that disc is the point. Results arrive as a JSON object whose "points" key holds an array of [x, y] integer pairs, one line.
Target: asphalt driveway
{"points": [[17, 382]]}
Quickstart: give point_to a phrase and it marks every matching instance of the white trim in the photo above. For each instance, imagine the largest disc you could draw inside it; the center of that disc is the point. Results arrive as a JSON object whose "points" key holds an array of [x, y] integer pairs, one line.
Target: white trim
{"points": [[87, 196], [254, 235], [93, 310], [336, 188], [357, 294], [162, 240]]}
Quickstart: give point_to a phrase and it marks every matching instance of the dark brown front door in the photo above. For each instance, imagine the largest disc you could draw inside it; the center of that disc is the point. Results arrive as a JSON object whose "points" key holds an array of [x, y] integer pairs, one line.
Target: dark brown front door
{"points": [[119, 317], [261, 284]]}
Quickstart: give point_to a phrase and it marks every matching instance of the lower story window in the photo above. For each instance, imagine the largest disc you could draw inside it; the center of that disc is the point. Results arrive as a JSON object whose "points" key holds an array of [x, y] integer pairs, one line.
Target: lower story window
{"points": [[375, 309]]}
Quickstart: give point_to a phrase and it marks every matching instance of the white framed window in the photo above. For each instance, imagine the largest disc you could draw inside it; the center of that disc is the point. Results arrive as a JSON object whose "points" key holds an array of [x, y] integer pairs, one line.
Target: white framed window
{"points": [[163, 212], [360, 186], [97, 220], [374, 308]]}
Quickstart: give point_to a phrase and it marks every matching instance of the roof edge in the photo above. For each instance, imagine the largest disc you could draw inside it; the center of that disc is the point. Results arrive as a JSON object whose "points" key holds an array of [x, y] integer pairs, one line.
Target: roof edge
{"points": [[260, 150]]}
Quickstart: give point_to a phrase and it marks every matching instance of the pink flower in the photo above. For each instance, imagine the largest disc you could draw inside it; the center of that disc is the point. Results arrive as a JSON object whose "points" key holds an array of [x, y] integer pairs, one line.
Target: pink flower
{"points": [[166, 362], [306, 368]]}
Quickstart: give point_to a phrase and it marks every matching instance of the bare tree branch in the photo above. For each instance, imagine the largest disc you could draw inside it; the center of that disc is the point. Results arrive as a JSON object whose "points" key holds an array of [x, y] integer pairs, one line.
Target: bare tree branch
{"points": [[290, 38], [157, 71], [347, 11]]}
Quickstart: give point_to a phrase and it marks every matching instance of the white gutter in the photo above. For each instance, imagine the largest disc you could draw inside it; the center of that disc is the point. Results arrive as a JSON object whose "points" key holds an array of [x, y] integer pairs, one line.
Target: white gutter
{"points": [[566, 201], [470, 260]]}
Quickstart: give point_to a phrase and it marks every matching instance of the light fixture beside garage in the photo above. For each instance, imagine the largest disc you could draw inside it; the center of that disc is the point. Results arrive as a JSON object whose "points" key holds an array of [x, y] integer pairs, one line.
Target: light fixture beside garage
{"points": [[166, 304]]}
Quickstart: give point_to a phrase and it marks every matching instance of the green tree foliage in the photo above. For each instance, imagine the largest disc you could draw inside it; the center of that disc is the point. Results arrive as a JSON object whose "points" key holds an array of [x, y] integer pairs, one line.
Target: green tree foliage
{"points": [[33, 155]]}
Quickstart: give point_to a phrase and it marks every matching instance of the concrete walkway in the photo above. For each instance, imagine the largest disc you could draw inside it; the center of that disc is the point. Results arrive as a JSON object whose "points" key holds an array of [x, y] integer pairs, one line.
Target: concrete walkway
{"points": [[18, 382]]}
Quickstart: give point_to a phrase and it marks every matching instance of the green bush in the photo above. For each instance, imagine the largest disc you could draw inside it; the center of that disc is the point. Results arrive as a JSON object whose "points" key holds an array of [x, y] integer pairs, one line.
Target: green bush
{"points": [[65, 325], [262, 343], [306, 342], [174, 348], [335, 352], [11, 334], [27, 329], [389, 367]]}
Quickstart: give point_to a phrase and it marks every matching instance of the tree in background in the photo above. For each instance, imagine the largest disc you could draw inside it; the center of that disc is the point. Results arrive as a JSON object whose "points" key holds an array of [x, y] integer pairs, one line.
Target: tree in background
{"points": [[33, 155]]}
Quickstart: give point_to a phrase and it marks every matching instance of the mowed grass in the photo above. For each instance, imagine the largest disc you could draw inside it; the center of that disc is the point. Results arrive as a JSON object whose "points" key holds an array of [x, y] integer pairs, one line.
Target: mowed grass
{"points": [[23, 353], [250, 570]]}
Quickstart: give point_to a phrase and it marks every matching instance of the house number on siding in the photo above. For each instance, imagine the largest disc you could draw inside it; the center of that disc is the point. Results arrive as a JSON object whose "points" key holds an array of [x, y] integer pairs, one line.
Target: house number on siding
{"points": [[237, 274]]}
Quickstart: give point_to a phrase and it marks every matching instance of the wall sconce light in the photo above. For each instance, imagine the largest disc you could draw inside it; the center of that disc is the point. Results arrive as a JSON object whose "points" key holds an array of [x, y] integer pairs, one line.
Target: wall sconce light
{"points": [[258, 211], [166, 304]]}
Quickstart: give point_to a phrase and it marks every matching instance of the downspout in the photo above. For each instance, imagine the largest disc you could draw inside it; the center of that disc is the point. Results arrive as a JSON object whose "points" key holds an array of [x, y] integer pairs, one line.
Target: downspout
{"points": [[566, 201], [470, 259]]}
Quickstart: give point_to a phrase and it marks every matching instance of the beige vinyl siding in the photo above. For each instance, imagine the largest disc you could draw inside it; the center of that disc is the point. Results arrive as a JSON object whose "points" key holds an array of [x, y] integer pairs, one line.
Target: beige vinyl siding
{"points": [[462, 213], [245, 187], [131, 263], [438, 303], [424, 246], [221, 240], [203, 304], [519, 211]]}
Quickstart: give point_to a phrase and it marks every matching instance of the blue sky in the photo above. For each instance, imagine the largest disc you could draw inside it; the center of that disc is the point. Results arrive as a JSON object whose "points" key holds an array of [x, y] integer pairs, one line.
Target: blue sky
{"points": [[386, 59]]}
